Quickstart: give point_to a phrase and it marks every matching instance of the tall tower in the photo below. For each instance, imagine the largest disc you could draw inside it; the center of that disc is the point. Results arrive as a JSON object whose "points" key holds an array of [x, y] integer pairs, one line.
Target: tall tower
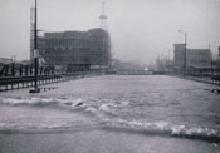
{"points": [[106, 39], [103, 18]]}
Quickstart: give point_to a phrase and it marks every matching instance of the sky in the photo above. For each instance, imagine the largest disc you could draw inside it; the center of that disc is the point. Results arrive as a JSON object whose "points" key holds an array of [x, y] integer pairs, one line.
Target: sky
{"points": [[140, 29]]}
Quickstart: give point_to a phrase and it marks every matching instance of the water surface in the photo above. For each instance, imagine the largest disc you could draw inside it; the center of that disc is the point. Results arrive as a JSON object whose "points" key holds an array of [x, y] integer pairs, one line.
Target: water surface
{"points": [[147, 105]]}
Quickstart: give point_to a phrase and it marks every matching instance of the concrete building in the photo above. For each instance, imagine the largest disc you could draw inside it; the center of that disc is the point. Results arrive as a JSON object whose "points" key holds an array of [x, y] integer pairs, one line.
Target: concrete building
{"points": [[198, 58], [76, 50], [216, 63], [72, 50], [195, 58], [178, 55], [129, 68]]}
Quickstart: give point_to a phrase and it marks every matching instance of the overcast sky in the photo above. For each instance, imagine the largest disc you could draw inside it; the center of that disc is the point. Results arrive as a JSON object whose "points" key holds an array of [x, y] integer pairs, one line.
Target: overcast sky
{"points": [[140, 29]]}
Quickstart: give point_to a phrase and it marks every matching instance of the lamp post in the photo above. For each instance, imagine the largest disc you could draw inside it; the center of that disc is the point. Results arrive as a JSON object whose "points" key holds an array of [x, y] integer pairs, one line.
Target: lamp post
{"points": [[185, 34], [36, 60]]}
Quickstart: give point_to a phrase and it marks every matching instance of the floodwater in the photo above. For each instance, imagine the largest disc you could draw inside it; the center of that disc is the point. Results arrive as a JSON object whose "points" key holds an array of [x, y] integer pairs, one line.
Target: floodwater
{"points": [[112, 113]]}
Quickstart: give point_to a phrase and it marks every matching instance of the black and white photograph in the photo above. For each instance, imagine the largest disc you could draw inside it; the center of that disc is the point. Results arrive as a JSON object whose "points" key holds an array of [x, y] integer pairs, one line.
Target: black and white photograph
{"points": [[109, 76]]}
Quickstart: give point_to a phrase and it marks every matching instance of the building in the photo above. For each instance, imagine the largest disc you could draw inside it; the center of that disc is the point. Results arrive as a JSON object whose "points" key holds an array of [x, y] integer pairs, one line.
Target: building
{"points": [[178, 55], [195, 58], [72, 50], [76, 50], [198, 58], [216, 64], [128, 67]]}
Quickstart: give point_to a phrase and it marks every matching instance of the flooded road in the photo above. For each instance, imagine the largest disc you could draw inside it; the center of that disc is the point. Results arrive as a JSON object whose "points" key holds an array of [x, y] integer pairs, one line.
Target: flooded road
{"points": [[136, 109]]}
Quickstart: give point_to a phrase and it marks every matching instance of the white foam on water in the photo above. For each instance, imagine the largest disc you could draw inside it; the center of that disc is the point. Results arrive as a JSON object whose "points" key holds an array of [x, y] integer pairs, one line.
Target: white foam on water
{"points": [[183, 130], [33, 100], [81, 103], [64, 101], [162, 127], [177, 129], [203, 131], [104, 107], [91, 109], [51, 126], [26, 100], [124, 103], [14, 101], [107, 107]]}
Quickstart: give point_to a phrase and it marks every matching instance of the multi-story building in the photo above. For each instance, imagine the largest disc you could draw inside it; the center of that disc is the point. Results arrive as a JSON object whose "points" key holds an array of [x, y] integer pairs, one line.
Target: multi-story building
{"points": [[195, 58], [198, 58], [179, 55], [72, 50], [76, 50]]}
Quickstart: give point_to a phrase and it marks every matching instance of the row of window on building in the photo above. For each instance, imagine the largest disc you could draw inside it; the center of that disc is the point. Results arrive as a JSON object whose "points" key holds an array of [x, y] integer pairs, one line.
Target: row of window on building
{"points": [[90, 47]]}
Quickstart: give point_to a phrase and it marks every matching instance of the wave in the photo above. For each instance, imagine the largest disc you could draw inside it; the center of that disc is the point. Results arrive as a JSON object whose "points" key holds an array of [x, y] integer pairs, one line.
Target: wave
{"points": [[163, 129], [49, 130], [30, 101], [106, 107], [101, 112], [41, 102], [95, 107]]}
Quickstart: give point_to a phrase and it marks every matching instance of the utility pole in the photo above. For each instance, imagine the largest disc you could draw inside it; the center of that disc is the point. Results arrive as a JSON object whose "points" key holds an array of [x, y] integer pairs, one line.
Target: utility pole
{"points": [[185, 55], [211, 61], [218, 50], [36, 60]]}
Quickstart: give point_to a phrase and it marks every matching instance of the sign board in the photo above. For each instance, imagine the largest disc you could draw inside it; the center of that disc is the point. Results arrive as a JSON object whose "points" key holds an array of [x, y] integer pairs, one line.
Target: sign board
{"points": [[36, 53]]}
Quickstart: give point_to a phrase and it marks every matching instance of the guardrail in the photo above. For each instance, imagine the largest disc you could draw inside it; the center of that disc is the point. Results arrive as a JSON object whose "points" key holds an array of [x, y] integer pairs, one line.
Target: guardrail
{"points": [[12, 82]]}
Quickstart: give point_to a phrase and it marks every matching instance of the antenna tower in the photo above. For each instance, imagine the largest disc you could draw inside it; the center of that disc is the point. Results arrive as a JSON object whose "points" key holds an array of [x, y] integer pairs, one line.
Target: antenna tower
{"points": [[103, 18]]}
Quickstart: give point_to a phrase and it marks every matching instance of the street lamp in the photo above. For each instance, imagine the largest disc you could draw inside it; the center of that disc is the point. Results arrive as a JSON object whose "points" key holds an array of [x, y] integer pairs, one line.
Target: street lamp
{"points": [[36, 59], [182, 31]]}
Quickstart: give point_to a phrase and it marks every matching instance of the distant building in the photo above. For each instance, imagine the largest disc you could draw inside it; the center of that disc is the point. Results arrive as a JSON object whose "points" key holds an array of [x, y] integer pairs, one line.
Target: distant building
{"points": [[129, 68], [216, 63], [179, 54], [198, 58], [72, 50], [76, 50], [195, 58]]}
